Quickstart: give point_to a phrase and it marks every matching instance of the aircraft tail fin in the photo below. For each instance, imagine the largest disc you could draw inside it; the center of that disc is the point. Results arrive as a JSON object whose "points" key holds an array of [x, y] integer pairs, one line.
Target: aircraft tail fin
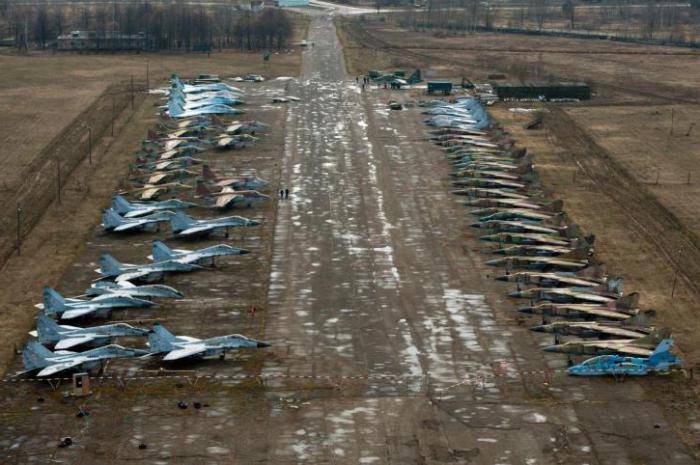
{"points": [[628, 301], [111, 219], [160, 339], [580, 253], [201, 189], [120, 204], [654, 338], [641, 319], [35, 355], [174, 108], [555, 206], [109, 265], [47, 329], [615, 284], [180, 221], [161, 252], [415, 77], [662, 353], [53, 301], [208, 174]]}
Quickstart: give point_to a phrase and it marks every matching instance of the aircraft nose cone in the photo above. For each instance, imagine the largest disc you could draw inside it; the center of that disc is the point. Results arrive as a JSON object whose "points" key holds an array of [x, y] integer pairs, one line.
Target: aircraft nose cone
{"points": [[502, 278], [551, 349], [515, 294], [537, 328], [475, 225], [494, 262], [254, 223], [263, 344], [244, 251]]}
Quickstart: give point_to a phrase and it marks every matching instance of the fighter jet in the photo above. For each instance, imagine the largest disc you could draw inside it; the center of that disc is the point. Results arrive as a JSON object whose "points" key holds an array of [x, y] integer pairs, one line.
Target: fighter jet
{"points": [[538, 263], [549, 279], [66, 337], [138, 209], [535, 250], [148, 291], [661, 360], [102, 305], [589, 329], [183, 225], [111, 268], [244, 182], [160, 340], [195, 89], [642, 346], [166, 177], [207, 255], [582, 311], [501, 226], [175, 110], [37, 357], [152, 191], [526, 239], [229, 197], [112, 221], [575, 295]]}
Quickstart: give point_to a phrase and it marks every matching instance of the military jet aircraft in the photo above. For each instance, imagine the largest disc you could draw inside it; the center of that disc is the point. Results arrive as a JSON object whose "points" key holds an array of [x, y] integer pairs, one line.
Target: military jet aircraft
{"points": [[661, 360], [37, 357], [589, 329], [152, 191], [488, 183], [160, 340], [642, 346], [229, 197], [194, 89], [549, 279], [535, 250], [526, 239], [111, 268], [166, 177], [102, 305], [175, 110], [582, 311], [503, 226], [67, 337], [148, 291], [207, 255], [183, 225], [513, 214], [538, 263], [138, 209], [575, 295], [247, 181], [112, 221]]}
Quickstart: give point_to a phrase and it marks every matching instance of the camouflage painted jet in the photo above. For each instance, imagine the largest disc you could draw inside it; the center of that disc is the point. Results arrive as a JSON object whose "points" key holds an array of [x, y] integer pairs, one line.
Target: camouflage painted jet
{"points": [[526, 239], [165, 177], [183, 225], [37, 357], [642, 346], [229, 197], [583, 311], [511, 214], [537, 250], [591, 329], [488, 183], [503, 226], [138, 209], [160, 340], [152, 191], [538, 263], [549, 279], [101, 306], [207, 255], [248, 181], [66, 337], [111, 268], [661, 360], [569, 294], [148, 291]]}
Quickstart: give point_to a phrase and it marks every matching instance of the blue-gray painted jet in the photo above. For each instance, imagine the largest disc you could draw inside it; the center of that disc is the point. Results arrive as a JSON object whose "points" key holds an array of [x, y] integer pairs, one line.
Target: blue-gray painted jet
{"points": [[160, 340], [161, 253], [183, 225], [37, 357], [112, 221], [110, 267], [148, 291], [67, 309], [137, 209], [66, 337]]}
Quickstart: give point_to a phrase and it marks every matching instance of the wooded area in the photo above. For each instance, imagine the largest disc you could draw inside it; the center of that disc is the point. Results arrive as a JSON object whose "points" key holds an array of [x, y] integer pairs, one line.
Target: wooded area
{"points": [[175, 26]]}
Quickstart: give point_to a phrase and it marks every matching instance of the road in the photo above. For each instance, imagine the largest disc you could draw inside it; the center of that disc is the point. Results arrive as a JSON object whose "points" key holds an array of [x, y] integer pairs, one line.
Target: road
{"points": [[375, 276]]}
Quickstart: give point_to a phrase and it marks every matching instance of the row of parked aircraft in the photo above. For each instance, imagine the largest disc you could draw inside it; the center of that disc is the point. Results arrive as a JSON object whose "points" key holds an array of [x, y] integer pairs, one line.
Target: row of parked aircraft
{"points": [[163, 168], [541, 251]]}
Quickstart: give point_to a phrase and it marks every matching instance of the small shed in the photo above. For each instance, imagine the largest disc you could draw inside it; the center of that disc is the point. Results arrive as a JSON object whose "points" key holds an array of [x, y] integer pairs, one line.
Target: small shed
{"points": [[444, 87]]}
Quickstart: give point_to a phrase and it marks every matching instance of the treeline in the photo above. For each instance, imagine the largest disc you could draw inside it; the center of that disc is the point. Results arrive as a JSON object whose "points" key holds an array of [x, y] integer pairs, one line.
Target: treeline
{"points": [[172, 26]]}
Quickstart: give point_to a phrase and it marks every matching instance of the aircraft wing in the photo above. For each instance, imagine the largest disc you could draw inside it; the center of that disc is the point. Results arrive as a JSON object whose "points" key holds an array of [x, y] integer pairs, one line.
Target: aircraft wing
{"points": [[130, 226], [74, 341], [627, 349], [136, 274], [225, 200], [196, 230], [150, 193], [188, 351], [57, 367], [78, 312]]}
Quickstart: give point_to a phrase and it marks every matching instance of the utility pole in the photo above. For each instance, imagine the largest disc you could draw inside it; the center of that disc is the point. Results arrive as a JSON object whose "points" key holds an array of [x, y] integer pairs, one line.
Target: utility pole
{"points": [[132, 91], [58, 179], [148, 87], [89, 145], [113, 110], [19, 225]]}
